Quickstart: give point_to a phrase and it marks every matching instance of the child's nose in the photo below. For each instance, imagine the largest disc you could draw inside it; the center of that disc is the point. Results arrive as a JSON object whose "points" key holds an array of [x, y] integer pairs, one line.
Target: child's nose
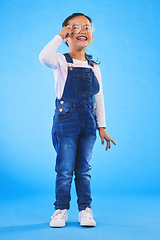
{"points": [[82, 29]]}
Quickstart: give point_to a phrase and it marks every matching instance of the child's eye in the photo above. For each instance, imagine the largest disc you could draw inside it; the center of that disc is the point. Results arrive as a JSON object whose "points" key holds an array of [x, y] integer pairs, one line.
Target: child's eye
{"points": [[75, 27], [87, 27]]}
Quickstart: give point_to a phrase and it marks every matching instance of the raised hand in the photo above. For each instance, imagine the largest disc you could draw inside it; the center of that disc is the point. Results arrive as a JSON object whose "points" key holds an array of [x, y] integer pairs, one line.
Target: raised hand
{"points": [[65, 33]]}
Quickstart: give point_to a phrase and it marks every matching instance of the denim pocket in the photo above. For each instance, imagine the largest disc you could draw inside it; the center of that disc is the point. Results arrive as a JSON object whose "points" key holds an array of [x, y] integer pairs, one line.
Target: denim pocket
{"points": [[63, 109], [83, 84]]}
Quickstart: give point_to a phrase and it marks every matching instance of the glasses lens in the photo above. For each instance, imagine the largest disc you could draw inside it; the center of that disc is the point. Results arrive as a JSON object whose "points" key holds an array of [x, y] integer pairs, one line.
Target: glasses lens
{"points": [[76, 28], [87, 28]]}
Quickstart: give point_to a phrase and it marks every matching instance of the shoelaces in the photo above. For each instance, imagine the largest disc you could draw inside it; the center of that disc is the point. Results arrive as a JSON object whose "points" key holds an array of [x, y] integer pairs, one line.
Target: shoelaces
{"points": [[87, 213], [59, 214]]}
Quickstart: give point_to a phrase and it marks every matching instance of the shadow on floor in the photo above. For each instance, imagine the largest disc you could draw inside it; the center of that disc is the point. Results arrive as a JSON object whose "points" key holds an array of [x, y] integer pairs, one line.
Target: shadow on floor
{"points": [[30, 227], [21, 228]]}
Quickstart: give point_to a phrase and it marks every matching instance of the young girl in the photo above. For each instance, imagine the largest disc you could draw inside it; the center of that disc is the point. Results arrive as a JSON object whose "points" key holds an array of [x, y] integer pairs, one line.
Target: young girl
{"points": [[79, 112]]}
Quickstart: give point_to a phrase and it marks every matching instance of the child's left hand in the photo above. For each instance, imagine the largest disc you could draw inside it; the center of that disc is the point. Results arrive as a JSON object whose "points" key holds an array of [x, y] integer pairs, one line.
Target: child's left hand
{"points": [[104, 136]]}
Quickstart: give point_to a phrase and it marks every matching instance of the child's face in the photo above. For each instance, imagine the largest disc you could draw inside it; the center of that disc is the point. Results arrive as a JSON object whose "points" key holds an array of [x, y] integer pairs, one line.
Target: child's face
{"points": [[83, 37]]}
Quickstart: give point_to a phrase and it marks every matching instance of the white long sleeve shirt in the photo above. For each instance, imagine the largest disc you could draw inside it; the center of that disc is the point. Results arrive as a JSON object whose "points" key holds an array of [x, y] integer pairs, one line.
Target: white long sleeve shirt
{"points": [[56, 61]]}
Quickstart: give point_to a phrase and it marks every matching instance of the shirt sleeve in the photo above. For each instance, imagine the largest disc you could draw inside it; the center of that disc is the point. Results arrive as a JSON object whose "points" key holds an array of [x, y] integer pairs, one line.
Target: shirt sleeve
{"points": [[48, 56], [99, 98]]}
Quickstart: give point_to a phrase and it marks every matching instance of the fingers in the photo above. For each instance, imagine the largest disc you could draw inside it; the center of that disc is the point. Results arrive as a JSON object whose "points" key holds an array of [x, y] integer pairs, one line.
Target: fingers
{"points": [[105, 136], [65, 33], [109, 139], [68, 31], [102, 140], [113, 142], [108, 145], [65, 39]]}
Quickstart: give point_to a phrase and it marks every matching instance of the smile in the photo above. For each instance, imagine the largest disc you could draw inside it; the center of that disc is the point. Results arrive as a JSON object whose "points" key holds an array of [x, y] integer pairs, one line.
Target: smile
{"points": [[82, 38]]}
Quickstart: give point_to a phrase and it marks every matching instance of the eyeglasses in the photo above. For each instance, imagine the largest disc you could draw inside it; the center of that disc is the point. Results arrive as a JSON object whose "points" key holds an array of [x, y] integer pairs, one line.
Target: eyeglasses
{"points": [[76, 28]]}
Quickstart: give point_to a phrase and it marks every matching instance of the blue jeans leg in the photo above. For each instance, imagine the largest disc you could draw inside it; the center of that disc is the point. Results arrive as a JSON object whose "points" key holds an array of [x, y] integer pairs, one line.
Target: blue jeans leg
{"points": [[65, 164], [82, 171]]}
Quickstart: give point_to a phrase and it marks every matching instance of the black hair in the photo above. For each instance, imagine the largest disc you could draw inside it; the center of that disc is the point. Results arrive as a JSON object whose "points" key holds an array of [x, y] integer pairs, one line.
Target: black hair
{"points": [[65, 23]]}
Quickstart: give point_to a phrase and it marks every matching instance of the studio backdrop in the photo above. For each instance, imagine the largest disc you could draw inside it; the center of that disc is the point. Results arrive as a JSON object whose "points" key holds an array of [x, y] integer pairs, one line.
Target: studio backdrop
{"points": [[126, 41]]}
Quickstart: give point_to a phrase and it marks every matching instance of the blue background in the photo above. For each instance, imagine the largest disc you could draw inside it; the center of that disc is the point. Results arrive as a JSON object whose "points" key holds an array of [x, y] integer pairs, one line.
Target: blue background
{"points": [[126, 40]]}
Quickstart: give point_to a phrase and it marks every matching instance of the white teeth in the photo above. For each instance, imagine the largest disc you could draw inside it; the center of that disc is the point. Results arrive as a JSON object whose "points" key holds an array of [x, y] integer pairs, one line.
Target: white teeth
{"points": [[82, 38]]}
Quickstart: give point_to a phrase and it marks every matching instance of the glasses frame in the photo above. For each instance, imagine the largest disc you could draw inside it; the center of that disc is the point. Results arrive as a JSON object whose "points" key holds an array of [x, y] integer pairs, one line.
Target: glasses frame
{"points": [[93, 27]]}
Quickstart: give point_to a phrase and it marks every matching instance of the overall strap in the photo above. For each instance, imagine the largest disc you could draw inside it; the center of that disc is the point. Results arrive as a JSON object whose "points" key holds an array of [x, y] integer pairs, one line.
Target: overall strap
{"points": [[68, 58]]}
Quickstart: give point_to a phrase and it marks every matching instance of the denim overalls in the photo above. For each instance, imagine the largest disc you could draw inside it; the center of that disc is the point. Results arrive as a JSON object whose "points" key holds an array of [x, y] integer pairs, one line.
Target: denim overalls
{"points": [[74, 135]]}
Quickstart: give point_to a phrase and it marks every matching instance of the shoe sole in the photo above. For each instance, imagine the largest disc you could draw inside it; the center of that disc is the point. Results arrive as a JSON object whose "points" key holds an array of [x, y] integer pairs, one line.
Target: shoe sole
{"points": [[57, 226], [87, 225]]}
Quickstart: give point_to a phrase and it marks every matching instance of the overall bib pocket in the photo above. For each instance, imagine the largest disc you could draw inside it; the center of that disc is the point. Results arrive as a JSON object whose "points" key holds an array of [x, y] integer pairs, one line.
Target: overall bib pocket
{"points": [[83, 84]]}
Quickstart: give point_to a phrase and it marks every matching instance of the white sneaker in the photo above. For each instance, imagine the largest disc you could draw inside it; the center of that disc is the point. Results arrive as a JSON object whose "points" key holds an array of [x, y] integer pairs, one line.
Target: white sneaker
{"points": [[85, 218], [59, 218]]}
